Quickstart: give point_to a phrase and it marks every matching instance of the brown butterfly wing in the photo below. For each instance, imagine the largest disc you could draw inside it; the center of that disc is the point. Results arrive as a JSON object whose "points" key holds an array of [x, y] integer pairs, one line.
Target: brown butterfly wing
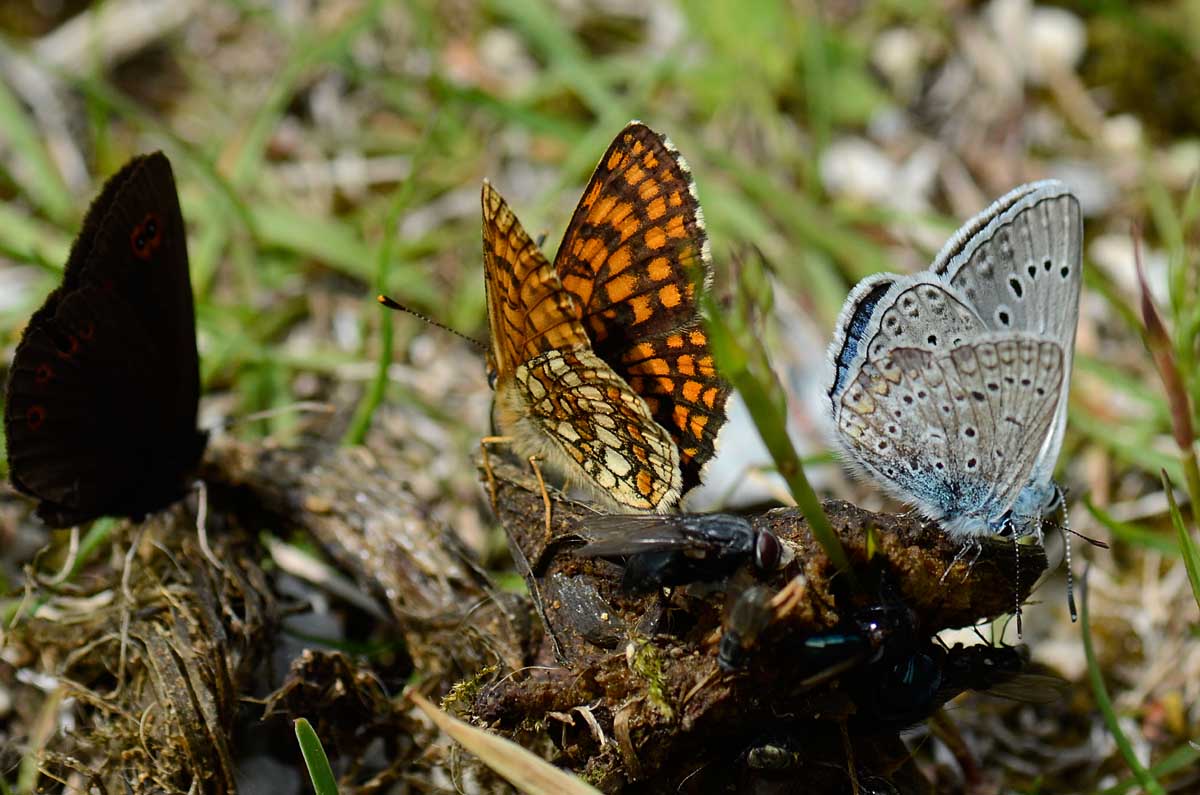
{"points": [[100, 410]]}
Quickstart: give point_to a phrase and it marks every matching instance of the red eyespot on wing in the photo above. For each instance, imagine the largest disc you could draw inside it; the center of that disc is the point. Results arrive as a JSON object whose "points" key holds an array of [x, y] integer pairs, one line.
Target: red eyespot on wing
{"points": [[34, 417], [70, 348], [146, 237], [44, 373], [88, 331]]}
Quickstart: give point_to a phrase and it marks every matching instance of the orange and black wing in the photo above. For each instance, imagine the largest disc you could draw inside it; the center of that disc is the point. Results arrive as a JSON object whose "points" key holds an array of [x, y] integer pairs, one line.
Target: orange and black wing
{"points": [[633, 259], [674, 373], [529, 313]]}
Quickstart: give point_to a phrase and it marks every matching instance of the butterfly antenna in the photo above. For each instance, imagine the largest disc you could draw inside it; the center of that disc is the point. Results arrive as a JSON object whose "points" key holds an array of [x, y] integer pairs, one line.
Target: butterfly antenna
{"points": [[1093, 541], [1017, 581], [399, 307], [1066, 526]]}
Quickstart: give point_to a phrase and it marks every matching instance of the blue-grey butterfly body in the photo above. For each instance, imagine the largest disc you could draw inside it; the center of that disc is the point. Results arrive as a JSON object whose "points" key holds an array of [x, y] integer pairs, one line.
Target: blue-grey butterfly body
{"points": [[949, 386]]}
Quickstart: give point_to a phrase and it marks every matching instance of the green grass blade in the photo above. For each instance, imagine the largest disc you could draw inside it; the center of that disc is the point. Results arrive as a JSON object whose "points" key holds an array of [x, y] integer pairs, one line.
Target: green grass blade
{"points": [[327, 240], [1182, 758], [1130, 533], [32, 240], [39, 178], [1104, 703], [549, 36], [1187, 544], [763, 397], [391, 227], [308, 51], [315, 759]]}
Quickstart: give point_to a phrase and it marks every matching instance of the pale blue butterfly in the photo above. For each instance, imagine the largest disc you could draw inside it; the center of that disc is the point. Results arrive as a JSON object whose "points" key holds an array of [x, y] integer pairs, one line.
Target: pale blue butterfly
{"points": [[949, 387]]}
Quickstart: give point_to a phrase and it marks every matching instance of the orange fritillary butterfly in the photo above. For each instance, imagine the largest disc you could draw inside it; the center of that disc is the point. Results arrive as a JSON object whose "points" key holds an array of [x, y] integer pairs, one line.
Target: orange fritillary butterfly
{"points": [[600, 362]]}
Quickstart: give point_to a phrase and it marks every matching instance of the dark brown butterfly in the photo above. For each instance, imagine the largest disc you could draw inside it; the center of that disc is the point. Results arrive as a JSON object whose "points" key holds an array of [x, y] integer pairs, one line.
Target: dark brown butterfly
{"points": [[100, 411]]}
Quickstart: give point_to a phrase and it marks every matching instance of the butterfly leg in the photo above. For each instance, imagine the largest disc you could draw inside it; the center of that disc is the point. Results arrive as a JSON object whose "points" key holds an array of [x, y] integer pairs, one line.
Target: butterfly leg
{"points": [[487, 462], [537, 471], [967, 548]]}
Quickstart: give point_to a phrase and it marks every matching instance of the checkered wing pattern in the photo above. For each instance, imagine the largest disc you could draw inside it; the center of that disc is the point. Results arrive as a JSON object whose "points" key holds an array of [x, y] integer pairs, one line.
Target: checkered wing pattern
{"points": [[633, 258], [603, 427], [675, 374], [553, 394]]}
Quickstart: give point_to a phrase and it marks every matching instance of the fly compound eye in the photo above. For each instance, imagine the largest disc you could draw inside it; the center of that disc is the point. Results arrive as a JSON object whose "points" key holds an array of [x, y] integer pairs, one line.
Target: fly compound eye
{"points": [[768, 551]]}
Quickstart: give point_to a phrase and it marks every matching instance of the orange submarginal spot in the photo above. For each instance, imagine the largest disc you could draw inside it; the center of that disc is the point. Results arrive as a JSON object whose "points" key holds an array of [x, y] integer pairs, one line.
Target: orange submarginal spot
{"points": [[648, 190], [657, 366], [675, 227], [601, 210], [685, 365], [641, 351], [659, 269], [675, 341], [620, 288], [698, 421], [710, 397], [650, 161], [578, 285], [676, 199], [634, 174], [592, 195], [34, 417], [655, 238], [645, 482], [706, 366], [614, 160], [688, 453], [692, 390], [697, 337], [620, 213], [656, 209], [670, 297], [642, 310], [597, 255], [680, 416], [638, 147], [619, 260], [628, 227]]}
